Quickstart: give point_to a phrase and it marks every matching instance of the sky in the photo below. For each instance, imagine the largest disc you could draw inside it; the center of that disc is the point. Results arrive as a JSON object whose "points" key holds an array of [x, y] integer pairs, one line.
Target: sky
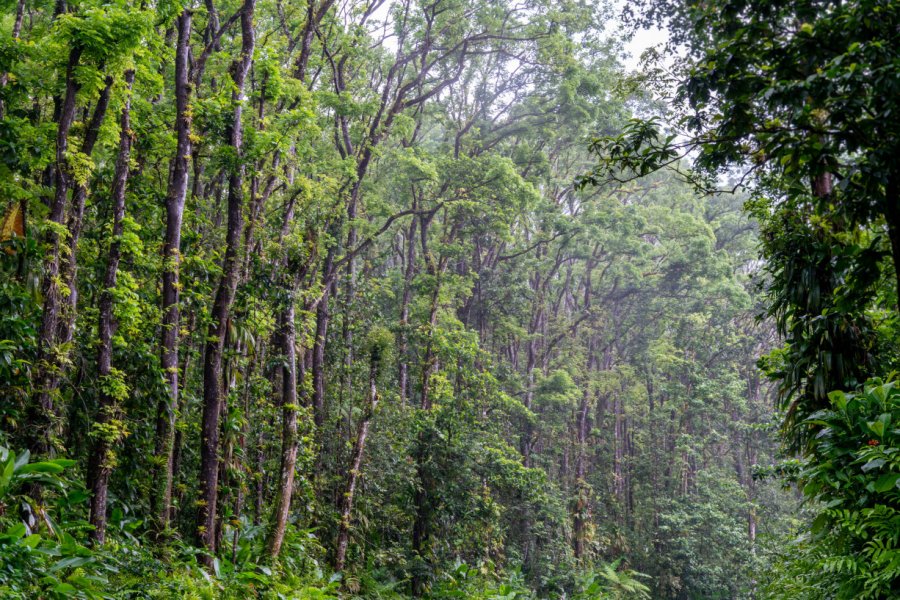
{"points": [[643, 39]]}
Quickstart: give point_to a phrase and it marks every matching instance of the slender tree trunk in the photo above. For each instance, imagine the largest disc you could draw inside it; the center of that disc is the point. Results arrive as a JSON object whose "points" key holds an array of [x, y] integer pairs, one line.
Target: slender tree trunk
{"points": [[68, 263], [422, 508], [161, 491], [353, 476], [422, 501], [582, 505], [41, 414], [102, 456], [582, 500], [403, 349], [429, 362], [531, 363], [289, 441], [212, 368], [16, 30], [318, 357]]}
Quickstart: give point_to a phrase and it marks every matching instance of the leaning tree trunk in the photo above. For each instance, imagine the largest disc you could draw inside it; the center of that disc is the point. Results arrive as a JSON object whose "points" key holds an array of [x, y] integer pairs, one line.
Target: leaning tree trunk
{"points": [[359, 447], [161, 491], [68, 263], [212, 367], [107, 433]]}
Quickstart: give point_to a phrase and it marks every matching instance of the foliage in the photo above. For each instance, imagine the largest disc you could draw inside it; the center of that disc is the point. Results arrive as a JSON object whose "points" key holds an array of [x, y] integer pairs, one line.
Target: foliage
{"points": [[309, 300], [851, 477]]}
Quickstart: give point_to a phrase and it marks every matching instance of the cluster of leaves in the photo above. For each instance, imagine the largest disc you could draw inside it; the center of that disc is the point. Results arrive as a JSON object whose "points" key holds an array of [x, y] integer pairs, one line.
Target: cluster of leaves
{"points": [[40, 552], [851, 478]]}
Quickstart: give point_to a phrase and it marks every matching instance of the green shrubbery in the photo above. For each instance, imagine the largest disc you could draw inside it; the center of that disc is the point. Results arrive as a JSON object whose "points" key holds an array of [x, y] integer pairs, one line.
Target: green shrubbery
{"points": [[850, 478], [43, 555]]}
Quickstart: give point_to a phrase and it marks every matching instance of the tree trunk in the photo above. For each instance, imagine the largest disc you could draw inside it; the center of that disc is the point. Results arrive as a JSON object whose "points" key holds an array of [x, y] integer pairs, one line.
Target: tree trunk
{"points": [[161, 490], [892, 217], [69, 264], [102, 457], [318, 353], [41, 410], [289, 439], [212, 368], [581, 515], [403, 346], [359, 447]]}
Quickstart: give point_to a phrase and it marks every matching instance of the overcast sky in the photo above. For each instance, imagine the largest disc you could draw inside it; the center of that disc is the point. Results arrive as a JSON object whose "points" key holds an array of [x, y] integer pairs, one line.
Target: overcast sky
{"points": [[643, 39]]}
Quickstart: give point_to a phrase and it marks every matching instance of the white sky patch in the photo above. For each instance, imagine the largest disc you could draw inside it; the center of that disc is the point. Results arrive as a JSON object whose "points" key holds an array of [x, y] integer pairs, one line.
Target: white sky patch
{"points": [[643, 39]]}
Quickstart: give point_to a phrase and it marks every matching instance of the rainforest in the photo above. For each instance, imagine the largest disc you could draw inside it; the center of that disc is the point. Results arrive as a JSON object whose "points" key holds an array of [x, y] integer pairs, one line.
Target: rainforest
{"points": [[474, 299]]}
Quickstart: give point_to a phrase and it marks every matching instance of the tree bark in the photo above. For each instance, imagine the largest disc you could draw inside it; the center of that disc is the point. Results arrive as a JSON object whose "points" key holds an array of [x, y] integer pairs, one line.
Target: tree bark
{"points": [[892, 217], [212, 368], [318, 356], [69, 264], [41, 410], [289, 441], [403, 346], [102, 457], [353, 476], [161, 491]]}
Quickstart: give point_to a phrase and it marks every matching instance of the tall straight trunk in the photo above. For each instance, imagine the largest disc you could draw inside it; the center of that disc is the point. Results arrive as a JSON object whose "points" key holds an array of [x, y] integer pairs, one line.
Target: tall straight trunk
{"points": [[422, 508], [422, 500], [582, 502], [359, 447], [41, 410], [102, 460], [318, 353], [289, 441], [403, 346], [530, 365], [581, 515], [212, 367], [618, 449], [429, 362], [350, 290], [161, 491]]}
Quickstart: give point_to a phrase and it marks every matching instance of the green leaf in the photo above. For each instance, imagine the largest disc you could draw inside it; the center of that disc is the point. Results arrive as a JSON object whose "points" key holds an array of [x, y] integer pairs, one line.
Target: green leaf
{"points": [[7, 474], [16, 531], [71, 562], [886, 482], [42, 467], [875, 463]]}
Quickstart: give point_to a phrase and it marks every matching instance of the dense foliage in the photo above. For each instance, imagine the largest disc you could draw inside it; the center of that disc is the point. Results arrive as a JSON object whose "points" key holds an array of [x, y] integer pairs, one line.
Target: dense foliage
{"points": [[332, 299], [851, 549], [795, 103]]}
